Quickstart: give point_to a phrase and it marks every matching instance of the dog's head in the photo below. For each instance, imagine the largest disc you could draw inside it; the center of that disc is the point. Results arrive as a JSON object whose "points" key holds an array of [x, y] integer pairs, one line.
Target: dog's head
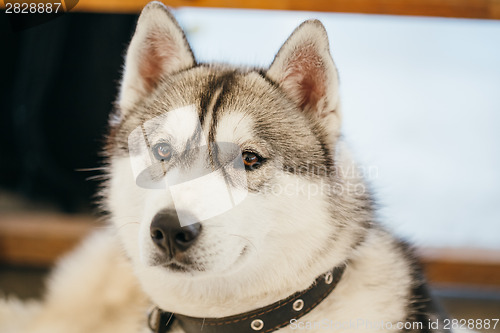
{"points": [[221, 174]]}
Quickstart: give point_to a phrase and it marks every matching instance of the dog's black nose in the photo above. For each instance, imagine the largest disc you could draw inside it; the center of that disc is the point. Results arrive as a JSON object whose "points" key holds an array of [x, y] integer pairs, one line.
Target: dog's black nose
{"points": [[169, 236]]}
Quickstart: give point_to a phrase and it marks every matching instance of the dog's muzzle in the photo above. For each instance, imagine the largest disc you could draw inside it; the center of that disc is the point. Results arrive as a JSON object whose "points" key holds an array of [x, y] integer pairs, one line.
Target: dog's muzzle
{"points": [[169, 236]]}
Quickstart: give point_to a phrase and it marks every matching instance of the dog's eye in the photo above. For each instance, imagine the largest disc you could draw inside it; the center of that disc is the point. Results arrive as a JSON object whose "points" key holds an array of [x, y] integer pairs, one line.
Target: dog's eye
{"points": [[162, 151], [251, 160]]}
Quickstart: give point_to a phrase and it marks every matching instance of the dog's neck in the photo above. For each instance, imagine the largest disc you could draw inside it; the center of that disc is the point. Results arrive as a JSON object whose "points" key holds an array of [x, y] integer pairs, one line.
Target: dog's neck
{"points": [[275, 315], [227, 296]]}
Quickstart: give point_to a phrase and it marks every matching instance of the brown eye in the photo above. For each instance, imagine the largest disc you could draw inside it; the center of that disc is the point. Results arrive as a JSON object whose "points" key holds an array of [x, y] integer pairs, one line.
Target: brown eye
{"points": [[251, 160], [162, 151]]}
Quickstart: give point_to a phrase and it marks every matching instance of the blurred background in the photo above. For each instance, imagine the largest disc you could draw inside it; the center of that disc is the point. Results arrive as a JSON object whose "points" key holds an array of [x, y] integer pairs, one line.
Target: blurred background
{"points": [[420, 84]]}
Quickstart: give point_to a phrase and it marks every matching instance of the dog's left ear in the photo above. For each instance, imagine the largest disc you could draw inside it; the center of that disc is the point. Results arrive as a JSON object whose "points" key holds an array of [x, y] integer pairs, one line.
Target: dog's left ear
{"points": [[305, 70], [158, 48]]}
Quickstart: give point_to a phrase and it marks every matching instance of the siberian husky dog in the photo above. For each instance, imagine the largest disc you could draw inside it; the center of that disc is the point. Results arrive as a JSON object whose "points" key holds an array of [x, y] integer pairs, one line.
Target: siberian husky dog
{"points": [[233, 206]]}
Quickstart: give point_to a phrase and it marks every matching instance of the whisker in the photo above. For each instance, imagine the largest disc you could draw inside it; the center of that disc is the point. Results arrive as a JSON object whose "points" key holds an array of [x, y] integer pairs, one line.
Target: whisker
{"points": [[127, 224], [249, 241], [91, 169], [98, 177]]}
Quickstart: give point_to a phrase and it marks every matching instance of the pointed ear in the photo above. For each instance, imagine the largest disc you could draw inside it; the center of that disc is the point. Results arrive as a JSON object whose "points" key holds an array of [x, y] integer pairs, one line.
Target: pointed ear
{"points": [[158, 48], [305, 70]]}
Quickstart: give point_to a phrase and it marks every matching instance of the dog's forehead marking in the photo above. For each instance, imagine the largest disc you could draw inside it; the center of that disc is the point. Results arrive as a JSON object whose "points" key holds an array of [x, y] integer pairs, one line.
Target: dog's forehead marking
{"points": [[210, 98]]}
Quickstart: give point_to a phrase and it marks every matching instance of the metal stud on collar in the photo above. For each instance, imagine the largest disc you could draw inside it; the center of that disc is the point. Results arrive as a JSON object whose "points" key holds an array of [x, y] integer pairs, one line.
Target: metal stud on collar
{"points": [[257, 325], [329, 278], [298, 305]]}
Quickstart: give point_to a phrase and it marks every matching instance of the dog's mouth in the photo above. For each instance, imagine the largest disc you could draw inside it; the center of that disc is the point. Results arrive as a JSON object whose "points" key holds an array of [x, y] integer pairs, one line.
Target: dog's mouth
{"points": [[176, 267], [180, 264], [185, 264]]}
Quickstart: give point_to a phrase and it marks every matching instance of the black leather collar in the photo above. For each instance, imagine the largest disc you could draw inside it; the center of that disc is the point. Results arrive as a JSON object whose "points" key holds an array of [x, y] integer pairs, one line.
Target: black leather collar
{"points": [[263, 320]]}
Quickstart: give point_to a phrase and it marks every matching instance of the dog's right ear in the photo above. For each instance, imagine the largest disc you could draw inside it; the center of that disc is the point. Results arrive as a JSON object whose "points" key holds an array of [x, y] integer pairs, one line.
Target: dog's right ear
{"points": [[158, 48], [305, 70]]}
